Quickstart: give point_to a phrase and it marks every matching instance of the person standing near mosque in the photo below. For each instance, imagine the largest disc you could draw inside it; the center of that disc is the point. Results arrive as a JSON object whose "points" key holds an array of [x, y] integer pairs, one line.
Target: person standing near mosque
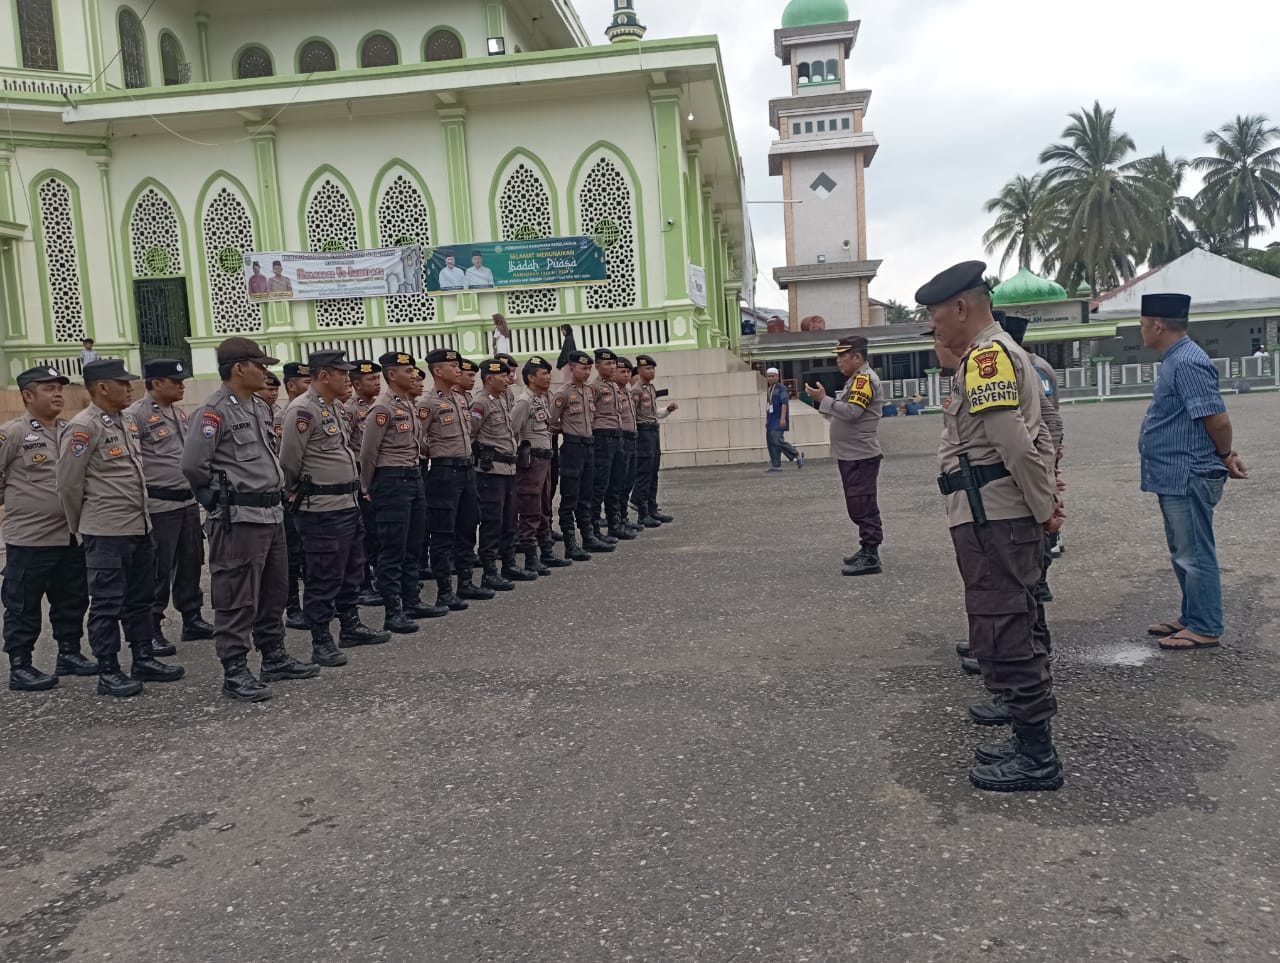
{"points": [[777, 422]]}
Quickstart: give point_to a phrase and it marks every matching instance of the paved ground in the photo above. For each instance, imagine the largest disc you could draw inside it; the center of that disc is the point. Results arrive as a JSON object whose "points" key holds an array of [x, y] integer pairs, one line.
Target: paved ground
{"points": [[706, 747]]}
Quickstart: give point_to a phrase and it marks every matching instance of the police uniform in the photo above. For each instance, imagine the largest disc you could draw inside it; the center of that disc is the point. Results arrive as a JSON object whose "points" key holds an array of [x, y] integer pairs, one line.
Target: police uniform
{"points": [[469, 515], [323, 475], [644, 490], [390, 473], [997, 474], [42, 558], [620, 485], [531, 421], [606, 428], [103, 490], [229, 459], [357, 410], [572, 414], [293, 617], [175, 517], [495, 447]]}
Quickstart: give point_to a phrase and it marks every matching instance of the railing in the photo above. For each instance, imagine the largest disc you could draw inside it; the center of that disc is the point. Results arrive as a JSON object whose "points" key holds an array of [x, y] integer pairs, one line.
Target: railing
{"points": [[22, 85], [418, 345], [68, 367]]}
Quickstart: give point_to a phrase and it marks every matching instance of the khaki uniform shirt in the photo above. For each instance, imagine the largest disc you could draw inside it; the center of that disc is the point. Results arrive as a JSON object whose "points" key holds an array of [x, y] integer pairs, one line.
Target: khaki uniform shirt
{"points": [[531, 419], [358, 410], [389, 439], [574, 409], [316, 443], [1049, 399], [492, 426], [275, 425], [33, 515], [444, 427], [854, 417], [101, 482], [607, 400], [993, 416], [645, 398], [239, 439], [627, 410], [163, 431]]}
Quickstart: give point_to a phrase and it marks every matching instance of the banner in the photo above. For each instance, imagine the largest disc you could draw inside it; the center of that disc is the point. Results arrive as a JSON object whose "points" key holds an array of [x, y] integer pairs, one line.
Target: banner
{"points": [[697, 278], [294, 276], [511, 265]]}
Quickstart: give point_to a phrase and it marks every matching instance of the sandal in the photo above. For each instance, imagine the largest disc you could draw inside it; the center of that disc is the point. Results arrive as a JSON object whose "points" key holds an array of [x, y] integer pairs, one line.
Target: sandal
{"points": [[1164, 628], [1194, 643]]}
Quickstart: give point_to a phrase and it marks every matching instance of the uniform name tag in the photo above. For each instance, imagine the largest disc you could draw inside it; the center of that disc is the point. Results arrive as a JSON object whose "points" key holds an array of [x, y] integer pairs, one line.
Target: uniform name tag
{"points": [[990, 382], [860, 392]]}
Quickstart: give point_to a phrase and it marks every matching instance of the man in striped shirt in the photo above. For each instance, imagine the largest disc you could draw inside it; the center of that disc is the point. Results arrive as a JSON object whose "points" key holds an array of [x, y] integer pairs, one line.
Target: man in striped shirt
{"points": [[1185, 446]]}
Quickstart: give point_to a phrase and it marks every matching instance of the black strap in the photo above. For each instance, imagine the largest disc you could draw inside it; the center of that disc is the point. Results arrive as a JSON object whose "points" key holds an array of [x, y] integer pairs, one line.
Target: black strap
{"points": [[346, 488], [398, 471], [648, 426], [170, 494], [579, 440], [255, 499], [981, 474], [450, 462], [543, 453], [608, 432]]}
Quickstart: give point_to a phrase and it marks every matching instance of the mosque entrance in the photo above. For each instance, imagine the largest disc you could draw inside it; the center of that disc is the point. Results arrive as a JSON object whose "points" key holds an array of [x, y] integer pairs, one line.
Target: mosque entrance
{"points": [[164, 323]]}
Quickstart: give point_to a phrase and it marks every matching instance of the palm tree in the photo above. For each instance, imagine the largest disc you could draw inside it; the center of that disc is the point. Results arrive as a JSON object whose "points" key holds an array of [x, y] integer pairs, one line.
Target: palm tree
{"points": [[1243, 177], [1103, 202], [1022, 222], [1172, 237]]}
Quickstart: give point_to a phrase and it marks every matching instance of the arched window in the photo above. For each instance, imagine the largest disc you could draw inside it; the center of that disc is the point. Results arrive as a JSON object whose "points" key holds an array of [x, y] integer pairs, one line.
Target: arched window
{"points": [[39, 40], [172, 63], [802, 73], [133, 50], [316, 56], [833, 70], [379, 50], [815, 72], [254, 62], [443, 45]]}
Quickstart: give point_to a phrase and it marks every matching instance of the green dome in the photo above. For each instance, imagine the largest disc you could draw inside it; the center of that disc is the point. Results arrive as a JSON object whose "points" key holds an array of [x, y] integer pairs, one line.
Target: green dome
{"points": [[806, 13], [1025, 287]]}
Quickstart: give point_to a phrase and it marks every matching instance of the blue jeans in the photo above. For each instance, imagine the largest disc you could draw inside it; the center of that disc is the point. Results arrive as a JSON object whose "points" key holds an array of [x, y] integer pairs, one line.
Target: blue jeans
{"points": [[779, 446], [1188, 528]]}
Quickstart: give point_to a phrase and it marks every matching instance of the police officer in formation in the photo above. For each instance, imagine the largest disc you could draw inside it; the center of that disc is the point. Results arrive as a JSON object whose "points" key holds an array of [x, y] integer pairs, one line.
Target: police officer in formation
{"points": [[574, 416], [495, 447], [644, 491], [366, 385], [297, 379], [531, 421]]}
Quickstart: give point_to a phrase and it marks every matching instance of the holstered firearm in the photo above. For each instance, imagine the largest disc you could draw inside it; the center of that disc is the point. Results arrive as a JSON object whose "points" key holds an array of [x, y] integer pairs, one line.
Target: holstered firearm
{"points": [[217, 497], [483, 455], [972, 491], [524, 454], [299, 494]]}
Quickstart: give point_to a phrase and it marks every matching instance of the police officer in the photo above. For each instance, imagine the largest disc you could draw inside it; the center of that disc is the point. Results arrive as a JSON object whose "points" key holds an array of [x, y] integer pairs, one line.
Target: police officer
{"points": [[854, 417], [389, 472], [495, 448], [997, 474], [175, 516], [297, 379], [103, 492], [644, 493], [467, 524], [531, 421], [42, 558], [366, 385], [323, 474], [620, 487], [230, 462], [606, 428], [572, 416], [270, 393]]}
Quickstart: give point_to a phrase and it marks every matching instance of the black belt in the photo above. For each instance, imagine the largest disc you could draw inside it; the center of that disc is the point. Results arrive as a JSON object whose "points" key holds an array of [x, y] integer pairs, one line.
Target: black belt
{"points": [[579, 440], [608, 432], [647, 426], [451, 463], [502, 458], [170, 494], [630, 434], [254, 499], [981, 474], [543, 453], [346, 488], [398, 471]]}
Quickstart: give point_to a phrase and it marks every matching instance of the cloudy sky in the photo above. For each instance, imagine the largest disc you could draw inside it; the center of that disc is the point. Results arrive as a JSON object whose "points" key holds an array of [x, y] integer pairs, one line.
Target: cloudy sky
{"points": [[965, 94]]}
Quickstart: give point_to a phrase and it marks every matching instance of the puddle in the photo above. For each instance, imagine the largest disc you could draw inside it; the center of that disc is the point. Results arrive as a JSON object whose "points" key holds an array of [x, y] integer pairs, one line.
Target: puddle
{"points": [[1125, 653]]}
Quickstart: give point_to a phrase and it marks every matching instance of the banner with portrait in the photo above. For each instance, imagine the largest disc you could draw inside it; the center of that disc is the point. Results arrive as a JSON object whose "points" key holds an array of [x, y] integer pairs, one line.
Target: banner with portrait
{"points": [[300, 276], [548, 262]]}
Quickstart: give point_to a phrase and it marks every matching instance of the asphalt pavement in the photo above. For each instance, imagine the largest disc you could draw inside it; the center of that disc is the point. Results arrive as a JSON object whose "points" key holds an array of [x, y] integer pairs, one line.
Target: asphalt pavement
{"points": [[708, 746]]}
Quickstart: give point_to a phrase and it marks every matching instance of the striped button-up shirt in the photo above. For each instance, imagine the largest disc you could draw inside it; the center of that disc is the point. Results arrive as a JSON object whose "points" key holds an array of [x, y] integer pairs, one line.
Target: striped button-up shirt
{"points": [[1174, 443]]}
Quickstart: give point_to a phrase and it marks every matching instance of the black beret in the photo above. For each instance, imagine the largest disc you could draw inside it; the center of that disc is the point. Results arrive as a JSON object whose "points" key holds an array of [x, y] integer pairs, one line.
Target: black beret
{"points": [[466, 364], [173, 368], [493, 366], [272, 380], [604, 354], [625, 363], [645, 361], [441, 355], [36, 375], [364, 368], [579, 357], [538, 361], [393, 358], [296, 369], [1175, 307], [954, 281], [1014, 325]]}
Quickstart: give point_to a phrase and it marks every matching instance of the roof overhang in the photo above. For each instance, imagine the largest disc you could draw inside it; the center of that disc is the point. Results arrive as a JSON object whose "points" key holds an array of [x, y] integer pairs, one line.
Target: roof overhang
{"points": [[781, 108], [12, 231], [830, 271], [785, 38], [787, 148]]}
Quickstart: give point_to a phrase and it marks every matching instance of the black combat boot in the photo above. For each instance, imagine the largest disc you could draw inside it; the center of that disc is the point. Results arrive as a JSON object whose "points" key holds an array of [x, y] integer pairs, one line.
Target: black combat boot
{"points": [[962, 649], [147, 668], [993, 713], [278, 665], [556, 536], [866, 562], [655, 513], [547, 556], [323, 650], [160, 645], [293, 618], [619, 529], [113, 682], [25, 677], [573, 552], [850, 559], [445, 595], [1030, 765], [418, 609], [468, 589], [648, 521], [370, 598], [355, 632], [1043, 592], [195, 629], [493, 579], [240, 684], [513, 572], [71, 661], [532, 563], [970, 666], [593, 543], [396, 620], [597, 529]]}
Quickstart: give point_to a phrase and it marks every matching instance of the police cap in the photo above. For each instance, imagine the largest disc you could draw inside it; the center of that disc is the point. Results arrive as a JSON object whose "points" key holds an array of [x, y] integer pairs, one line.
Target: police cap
{"points": [[40, 374], [604, 354], [332, 360], [493, 366], [393, 358], [237, 349], [854, 342], [952, 282], [296, 369], [441, 355], [108, 369], [167, 368], [466, 364], [363, 368], [645, 361], [579, 357]]}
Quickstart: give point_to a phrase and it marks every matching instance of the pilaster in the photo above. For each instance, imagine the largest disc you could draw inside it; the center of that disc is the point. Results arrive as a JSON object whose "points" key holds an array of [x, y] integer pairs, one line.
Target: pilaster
{"points": [[93, 28], [693, 203], [665, 106], [10, 272], [119, 293], [453, 127], [276, 314], [202, 33]]}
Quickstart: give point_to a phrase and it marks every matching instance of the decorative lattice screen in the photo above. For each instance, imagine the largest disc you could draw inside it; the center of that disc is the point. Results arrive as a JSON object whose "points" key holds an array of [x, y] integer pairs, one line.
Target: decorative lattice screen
{"points": [[605, 211], [228, 237], [154, 239], [524, 213], [331, 226], [61, 256], [404, 218]]}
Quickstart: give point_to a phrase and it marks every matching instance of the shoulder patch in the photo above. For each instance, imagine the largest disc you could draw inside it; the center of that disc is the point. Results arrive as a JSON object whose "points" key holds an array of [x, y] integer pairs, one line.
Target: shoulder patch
{"points": [[861, 391], [990, 381], [559, 401], [381, 419]]}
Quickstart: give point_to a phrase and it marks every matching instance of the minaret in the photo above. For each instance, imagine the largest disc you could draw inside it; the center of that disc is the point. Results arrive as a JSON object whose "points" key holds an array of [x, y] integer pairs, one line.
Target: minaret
{"points": [[626, 26], [821, 154]]}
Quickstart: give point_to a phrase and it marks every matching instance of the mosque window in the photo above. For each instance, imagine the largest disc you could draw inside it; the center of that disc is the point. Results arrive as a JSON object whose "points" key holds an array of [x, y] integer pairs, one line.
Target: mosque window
{"points": [[331, 221], [816, 74], [443, 45], [173, 65], [524, 213], [404, 218], [802, 73], [154, 237], [844, 123], [133, 49], [833, 70], [60, 253], [808, 127], [605, 211], [254, 62], [37, 36], [228, 239], [379, 50], [316, 56], [822, 125], [795, 128]]}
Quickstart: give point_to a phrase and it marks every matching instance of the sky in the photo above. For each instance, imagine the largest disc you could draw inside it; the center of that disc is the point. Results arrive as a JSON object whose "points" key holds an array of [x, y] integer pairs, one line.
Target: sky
{"points": [[966, 93]]}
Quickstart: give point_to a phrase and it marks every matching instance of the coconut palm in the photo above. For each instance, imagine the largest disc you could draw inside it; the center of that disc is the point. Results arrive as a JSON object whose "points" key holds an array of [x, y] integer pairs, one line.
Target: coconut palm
{"points": [[1023, 216], [1103, 202], [1242, 178], [1172, 237]]}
